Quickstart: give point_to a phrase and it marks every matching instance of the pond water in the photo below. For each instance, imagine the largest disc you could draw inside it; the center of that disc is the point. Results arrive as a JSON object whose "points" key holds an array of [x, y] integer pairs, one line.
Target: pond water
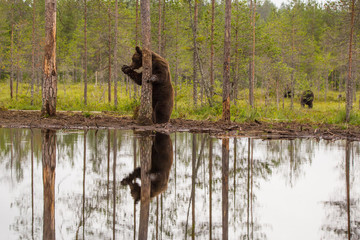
{"points": [[83, 185]]}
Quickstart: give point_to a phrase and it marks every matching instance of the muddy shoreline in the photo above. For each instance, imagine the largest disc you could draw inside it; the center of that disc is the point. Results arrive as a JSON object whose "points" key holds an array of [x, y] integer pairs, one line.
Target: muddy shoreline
{"points": [[104, 120]]}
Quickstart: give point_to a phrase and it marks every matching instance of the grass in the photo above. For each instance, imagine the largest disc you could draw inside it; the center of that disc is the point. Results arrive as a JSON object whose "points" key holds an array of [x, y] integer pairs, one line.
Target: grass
{"points": [[70, 98]]}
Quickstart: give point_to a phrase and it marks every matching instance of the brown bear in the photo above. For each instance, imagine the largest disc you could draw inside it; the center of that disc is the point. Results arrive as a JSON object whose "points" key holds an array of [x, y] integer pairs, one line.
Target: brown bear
{"points": [[163, 92], [161, 161], [307, 98]]}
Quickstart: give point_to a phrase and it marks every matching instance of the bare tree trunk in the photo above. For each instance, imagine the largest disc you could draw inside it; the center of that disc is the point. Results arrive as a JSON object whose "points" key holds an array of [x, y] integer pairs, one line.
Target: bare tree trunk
{"points": [[159, 29], [145, 112], [293, 66], [177, 57], [115, 54], [49, 165], [136, 36], [49, 88], [252, 78], [109, 79], [349, 78], [236, 78], [226, 74], [84, 186], [12, 56], [194, 27], [212, 48], [33, 53], [85, 53]]}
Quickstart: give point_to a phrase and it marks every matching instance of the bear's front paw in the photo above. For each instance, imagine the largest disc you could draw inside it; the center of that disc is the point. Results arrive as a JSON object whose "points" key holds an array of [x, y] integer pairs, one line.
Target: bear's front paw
{"points": [[152, 79], [126, 69]]}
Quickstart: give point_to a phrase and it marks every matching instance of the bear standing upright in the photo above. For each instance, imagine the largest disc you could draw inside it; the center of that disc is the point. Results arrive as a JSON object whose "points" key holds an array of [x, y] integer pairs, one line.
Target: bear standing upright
{"points": [[163, 92]]}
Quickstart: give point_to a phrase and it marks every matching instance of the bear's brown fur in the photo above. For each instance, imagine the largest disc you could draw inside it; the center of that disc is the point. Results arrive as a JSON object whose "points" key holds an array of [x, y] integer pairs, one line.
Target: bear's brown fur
{"points": [[161, 161], [163, 92]]}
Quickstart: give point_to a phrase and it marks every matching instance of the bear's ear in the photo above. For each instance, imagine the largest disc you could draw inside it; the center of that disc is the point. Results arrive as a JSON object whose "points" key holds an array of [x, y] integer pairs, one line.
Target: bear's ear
{"points": [[138, 50]]}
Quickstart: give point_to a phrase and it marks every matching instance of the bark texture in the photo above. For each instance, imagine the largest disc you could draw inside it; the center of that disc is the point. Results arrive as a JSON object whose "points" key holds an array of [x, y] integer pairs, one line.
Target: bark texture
{"points": [[49, 87], [226, 73], [145, 112]]}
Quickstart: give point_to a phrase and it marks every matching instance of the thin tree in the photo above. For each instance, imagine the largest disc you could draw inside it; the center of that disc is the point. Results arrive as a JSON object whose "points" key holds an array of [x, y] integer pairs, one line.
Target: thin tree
{"points": [[115, 53], [49, 86], [212, 48], [12, 51], [145, 112], [33, 53], [159, 29], [226, 70], [85, 52], [109, 63], [252, 68], [349, 78]]}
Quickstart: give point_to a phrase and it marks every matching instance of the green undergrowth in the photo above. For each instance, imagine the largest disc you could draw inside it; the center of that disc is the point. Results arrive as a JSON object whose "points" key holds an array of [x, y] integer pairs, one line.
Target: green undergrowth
{"points": [[70, 98]]}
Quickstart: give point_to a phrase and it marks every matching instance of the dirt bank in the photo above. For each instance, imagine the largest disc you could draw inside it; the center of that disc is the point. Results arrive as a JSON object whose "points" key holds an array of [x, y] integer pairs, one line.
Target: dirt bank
{"points": [[78, 120]]}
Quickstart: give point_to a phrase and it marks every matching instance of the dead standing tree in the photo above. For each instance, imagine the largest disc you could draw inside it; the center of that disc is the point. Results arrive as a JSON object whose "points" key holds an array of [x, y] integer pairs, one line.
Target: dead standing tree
{"points": [[49, 86], [145, 112]]}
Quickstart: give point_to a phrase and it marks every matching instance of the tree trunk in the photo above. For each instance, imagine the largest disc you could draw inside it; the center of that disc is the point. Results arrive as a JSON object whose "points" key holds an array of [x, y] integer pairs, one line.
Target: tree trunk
{"points": [[85, 53], [176, 57], [159, 29], [109, 79], [194, 53], [145, 112], [49, 165], [115, 53], [33, 53], [12, 58], [226, 73], [252, 74], [49, 88], [349, 78], [212, 48]]}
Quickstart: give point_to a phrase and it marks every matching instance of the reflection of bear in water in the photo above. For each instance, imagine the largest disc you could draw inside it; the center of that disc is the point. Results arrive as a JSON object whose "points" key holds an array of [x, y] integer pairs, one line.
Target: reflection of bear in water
{"points": [[163, 92], [161, 161], [307, 98]]}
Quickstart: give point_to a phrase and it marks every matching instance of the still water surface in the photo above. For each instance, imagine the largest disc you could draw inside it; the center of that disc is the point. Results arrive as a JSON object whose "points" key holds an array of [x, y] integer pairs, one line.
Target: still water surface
{"points": [[82, 185]]}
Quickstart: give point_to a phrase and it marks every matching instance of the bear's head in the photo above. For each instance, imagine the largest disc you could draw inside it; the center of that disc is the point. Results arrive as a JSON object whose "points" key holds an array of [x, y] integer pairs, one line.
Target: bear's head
{"points": [[136, 63]]}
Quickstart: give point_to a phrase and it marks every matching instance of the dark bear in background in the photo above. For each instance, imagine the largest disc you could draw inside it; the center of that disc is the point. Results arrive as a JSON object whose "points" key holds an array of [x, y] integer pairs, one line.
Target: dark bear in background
{"points": [[287, 94], [161, 161], [163, 92], [307, 98]]}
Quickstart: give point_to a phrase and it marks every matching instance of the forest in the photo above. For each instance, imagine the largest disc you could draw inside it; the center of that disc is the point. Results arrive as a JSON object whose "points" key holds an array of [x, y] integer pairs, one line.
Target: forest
{"points": [[298, 46]]}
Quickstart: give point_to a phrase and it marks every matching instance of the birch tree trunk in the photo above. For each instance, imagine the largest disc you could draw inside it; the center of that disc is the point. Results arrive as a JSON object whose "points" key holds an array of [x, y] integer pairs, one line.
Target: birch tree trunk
{"points": [[145, 112], [49, 87]]}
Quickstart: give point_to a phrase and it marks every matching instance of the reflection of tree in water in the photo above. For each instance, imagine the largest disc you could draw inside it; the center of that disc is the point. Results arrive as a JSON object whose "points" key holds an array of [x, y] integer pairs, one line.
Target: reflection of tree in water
{"points": [[342, 212], [290, 156]]}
